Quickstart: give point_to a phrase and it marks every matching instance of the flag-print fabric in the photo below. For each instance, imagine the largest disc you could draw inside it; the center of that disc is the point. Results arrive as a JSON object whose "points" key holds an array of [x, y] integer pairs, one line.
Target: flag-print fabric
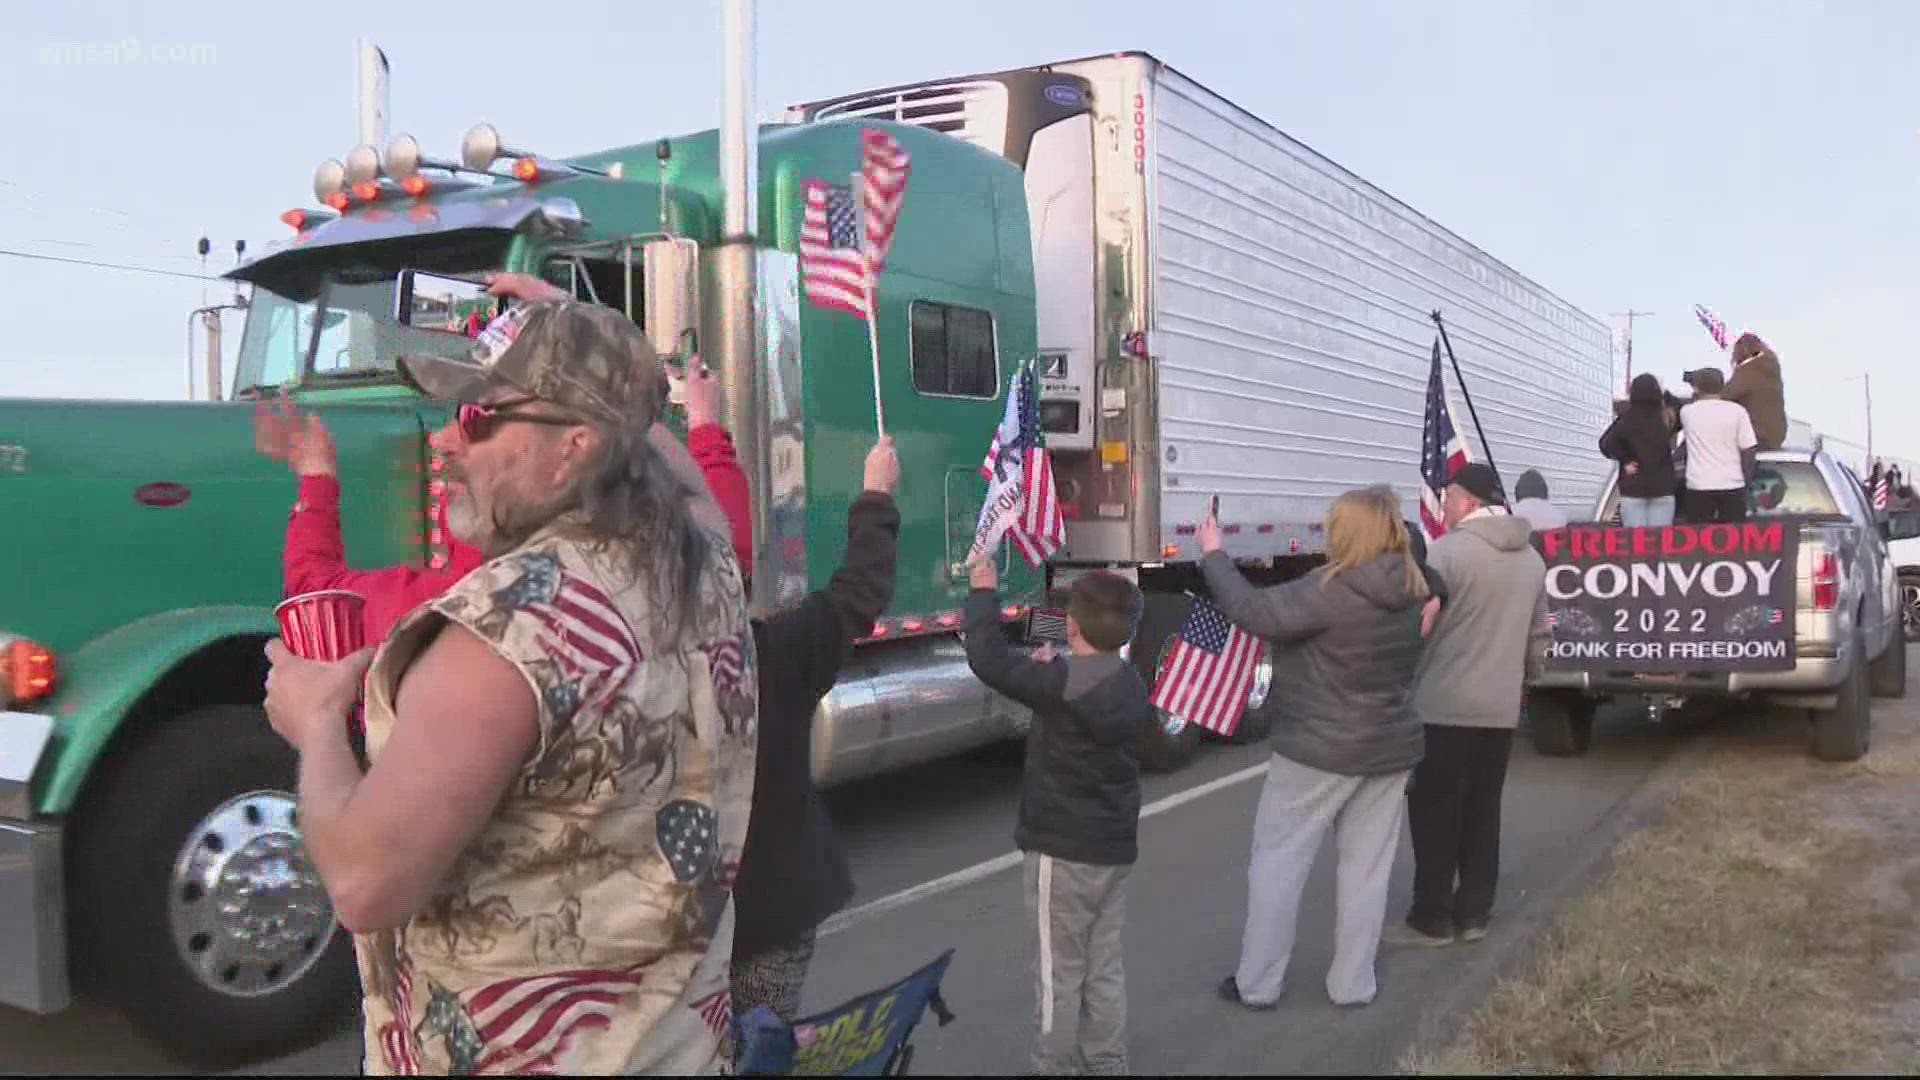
{"points": [[587, 930]]}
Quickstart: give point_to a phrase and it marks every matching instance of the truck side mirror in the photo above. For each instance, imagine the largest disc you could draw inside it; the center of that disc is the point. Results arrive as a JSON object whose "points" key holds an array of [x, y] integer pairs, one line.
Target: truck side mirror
{"points": [[670, 270]]}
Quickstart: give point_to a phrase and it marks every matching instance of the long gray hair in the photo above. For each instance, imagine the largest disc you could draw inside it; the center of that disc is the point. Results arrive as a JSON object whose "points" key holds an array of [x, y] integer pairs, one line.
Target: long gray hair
{"points": [[637, 503]]}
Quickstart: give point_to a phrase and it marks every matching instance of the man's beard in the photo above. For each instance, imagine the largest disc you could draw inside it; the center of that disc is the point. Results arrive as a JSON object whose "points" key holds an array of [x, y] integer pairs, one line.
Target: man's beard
{"points": [[498, 525]]}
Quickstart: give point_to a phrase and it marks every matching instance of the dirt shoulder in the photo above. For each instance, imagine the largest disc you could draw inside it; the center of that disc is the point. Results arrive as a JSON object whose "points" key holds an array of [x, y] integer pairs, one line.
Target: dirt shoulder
{"points": [[1768, 922]]}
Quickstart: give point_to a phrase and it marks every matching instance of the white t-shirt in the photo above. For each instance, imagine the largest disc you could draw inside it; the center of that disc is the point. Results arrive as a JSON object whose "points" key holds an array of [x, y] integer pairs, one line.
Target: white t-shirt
{"points": [[1717, 431]]}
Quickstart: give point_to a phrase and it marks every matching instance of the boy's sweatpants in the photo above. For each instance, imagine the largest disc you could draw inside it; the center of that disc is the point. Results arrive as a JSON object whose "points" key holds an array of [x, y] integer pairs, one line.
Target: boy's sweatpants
{"points": [[1076, 911]]}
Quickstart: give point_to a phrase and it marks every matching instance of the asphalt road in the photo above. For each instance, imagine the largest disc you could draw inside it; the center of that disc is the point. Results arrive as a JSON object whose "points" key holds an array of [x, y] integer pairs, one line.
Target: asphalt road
{"points": [[930, 830]]}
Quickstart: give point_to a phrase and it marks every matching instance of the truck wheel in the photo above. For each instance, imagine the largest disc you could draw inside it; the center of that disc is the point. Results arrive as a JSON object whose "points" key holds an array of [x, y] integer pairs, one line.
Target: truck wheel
{"points": [[1170, 742], [1845, 732], [1889, 673], [195, 909], [1257, 722], [1561, 725], [1910, 604]]}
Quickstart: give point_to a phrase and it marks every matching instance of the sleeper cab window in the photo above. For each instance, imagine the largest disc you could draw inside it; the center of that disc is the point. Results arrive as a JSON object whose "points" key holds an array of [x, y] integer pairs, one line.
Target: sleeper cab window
{"points": [[953, 351]]}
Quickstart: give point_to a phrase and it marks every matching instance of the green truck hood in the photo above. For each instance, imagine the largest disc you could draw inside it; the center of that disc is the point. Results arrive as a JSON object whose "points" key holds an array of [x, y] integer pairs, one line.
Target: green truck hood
{"points": [[120, 511]]}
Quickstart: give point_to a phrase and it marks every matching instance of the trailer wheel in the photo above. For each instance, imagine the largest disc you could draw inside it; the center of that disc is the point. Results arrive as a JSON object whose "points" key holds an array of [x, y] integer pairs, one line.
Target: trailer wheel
{"points": [[1561, 725], [1845, 732], [1889, 673], [1910, 604], [1257, 722], [194, 906], [1171, 742]]}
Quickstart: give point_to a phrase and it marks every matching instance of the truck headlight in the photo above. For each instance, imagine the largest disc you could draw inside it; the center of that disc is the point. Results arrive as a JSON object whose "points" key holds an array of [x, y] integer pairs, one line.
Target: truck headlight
{"points": [[27, 670]]}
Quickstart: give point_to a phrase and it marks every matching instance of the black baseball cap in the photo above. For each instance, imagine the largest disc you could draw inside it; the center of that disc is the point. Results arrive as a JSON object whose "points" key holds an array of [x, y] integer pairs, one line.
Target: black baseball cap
{"points": [[1481, 482]]}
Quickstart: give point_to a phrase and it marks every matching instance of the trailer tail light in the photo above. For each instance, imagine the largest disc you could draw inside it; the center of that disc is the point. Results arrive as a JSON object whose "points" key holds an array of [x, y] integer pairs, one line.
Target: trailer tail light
{"points": [[1826, 581], [26, 671]]}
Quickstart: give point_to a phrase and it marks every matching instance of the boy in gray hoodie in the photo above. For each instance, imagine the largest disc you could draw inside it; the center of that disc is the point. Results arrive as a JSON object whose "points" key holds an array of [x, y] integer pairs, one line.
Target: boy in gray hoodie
{"points": [[1491, 639]]}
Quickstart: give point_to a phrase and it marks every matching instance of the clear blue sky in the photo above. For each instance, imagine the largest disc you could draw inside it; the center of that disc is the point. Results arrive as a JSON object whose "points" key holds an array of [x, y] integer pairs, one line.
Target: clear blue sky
{"points": [[1757, 157]]}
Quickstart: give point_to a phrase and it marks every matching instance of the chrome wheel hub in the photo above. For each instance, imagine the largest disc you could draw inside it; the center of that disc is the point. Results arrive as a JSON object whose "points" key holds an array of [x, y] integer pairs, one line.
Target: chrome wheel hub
{"points": [[248, 911], [1910, 607]]}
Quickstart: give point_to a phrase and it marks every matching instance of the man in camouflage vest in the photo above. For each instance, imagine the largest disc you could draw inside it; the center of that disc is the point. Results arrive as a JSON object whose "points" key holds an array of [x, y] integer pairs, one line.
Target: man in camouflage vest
{"points": [[537, 864]]}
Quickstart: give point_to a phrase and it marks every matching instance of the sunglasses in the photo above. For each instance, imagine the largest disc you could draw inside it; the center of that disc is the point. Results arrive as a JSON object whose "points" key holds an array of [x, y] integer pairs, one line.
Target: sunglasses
{"points": [[477, 423]]}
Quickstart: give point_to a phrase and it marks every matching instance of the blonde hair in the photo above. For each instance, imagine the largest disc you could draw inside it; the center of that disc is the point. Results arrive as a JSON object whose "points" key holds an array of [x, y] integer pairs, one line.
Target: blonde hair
{"points": [[1363, 525]]}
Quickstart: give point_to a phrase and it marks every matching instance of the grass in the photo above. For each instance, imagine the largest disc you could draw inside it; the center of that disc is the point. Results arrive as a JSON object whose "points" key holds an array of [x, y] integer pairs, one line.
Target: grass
{"points": [[1767, 924]]}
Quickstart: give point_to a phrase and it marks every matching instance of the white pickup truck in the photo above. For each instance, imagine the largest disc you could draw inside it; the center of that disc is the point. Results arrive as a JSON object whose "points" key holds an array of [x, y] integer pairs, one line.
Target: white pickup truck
{"points": [[1837, 626]]}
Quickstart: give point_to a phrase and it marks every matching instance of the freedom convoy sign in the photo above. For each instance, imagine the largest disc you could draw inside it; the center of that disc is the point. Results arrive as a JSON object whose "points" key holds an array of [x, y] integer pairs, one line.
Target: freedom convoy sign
{"points": [[1672, 599]]}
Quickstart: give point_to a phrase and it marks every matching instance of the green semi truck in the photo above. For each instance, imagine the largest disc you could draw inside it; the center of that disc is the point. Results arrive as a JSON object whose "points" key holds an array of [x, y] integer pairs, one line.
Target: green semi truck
{"points": [[1215, 310]]}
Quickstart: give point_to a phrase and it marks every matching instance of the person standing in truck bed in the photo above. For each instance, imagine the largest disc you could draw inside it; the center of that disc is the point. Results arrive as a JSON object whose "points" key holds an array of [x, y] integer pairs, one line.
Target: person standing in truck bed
{"points": [[1757, 387], [1721, 447], [1641, 440]]}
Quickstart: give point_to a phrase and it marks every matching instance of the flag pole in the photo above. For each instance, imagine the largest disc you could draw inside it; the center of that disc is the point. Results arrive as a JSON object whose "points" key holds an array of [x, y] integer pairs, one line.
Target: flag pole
{"points": [[873, 304], [1465, 394]]}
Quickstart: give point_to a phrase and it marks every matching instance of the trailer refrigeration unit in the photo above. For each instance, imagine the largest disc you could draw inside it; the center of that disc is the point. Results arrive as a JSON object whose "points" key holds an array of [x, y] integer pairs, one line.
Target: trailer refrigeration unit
{"points": [[1223, 311]]}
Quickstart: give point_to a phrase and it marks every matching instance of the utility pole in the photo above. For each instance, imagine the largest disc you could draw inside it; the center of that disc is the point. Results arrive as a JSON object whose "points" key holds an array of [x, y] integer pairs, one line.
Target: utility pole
{"points": [[1630, 315]]}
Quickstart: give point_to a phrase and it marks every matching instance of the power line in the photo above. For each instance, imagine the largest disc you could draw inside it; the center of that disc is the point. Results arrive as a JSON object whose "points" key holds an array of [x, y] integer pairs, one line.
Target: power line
{"points": [[107, 265]]}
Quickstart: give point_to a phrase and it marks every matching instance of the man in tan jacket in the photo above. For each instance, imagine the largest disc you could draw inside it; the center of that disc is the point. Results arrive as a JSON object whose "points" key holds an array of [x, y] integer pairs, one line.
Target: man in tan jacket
{"points": [[1756, 386]]}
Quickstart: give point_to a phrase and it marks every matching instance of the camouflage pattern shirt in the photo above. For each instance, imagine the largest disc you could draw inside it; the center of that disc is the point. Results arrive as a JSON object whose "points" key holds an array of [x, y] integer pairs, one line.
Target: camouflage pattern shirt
{"points": [[588, 928]]}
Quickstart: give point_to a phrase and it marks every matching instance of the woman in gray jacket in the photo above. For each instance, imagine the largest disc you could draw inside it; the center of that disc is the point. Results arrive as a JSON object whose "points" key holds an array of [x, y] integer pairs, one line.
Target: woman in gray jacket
{"points": [[1345, 641]]}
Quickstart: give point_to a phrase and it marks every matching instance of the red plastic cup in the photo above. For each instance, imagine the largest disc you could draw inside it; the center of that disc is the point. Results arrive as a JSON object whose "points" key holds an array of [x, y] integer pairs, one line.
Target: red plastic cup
{"points": [[325, 625]]}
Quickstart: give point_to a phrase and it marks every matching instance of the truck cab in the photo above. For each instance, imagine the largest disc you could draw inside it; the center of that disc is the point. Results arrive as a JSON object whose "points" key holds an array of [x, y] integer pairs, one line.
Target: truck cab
{"points": [[149, 852]]}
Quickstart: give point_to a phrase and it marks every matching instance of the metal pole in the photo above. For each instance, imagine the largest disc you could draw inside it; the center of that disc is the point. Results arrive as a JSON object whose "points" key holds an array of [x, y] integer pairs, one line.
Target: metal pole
{"points": [[1866, 380], [1630, 315], [191, 315], [370, 93], [212, 323], [742, 374], [1467, 396]]}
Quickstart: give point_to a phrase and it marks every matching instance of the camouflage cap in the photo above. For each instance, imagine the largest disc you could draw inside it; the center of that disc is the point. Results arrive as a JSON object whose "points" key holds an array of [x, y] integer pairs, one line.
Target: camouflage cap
{"points": [[585, 357]]}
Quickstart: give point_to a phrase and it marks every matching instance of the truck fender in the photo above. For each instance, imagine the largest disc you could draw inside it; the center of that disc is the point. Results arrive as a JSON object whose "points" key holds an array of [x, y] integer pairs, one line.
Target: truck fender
{"points": [[108, 679]]}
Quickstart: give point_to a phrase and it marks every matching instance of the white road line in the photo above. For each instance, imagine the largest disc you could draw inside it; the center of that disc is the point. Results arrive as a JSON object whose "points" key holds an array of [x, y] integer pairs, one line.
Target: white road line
{"points": [[961, 878]]}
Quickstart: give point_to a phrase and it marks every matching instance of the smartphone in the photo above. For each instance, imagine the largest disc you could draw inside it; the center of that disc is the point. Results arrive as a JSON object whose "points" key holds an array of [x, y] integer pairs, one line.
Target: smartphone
{"points": [[1213, 509]]}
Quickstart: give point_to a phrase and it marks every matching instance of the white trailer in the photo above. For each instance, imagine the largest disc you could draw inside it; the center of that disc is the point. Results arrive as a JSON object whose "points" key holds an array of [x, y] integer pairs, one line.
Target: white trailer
{"points": [[1225, 311]]}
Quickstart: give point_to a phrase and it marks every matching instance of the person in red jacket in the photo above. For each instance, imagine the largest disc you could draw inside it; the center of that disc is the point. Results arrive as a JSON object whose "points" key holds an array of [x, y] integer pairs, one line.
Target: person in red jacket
{"points": [[315, 557]]}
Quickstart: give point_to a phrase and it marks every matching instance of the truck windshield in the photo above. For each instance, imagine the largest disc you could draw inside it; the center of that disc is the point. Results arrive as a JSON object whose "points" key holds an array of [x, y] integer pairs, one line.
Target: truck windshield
{"points": [[1792, 487], [352, 307], [1778, 487]]}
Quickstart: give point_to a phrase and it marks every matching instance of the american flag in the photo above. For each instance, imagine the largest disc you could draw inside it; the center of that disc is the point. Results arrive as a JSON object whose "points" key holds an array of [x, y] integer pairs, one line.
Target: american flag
{"points": [[1207, 674], [884, 168], [838, 264], [587, 635], [526, 1023], [716, 1010], [1713, 324], [396, 1035], [1018, 464], [832, 268], [727, 660], [1882, 491], [1442, 451]]}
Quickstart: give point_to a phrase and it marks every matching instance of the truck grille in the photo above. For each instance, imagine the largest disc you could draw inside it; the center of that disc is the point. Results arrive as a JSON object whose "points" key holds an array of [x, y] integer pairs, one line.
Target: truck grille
{"points": [[973, 111]]}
